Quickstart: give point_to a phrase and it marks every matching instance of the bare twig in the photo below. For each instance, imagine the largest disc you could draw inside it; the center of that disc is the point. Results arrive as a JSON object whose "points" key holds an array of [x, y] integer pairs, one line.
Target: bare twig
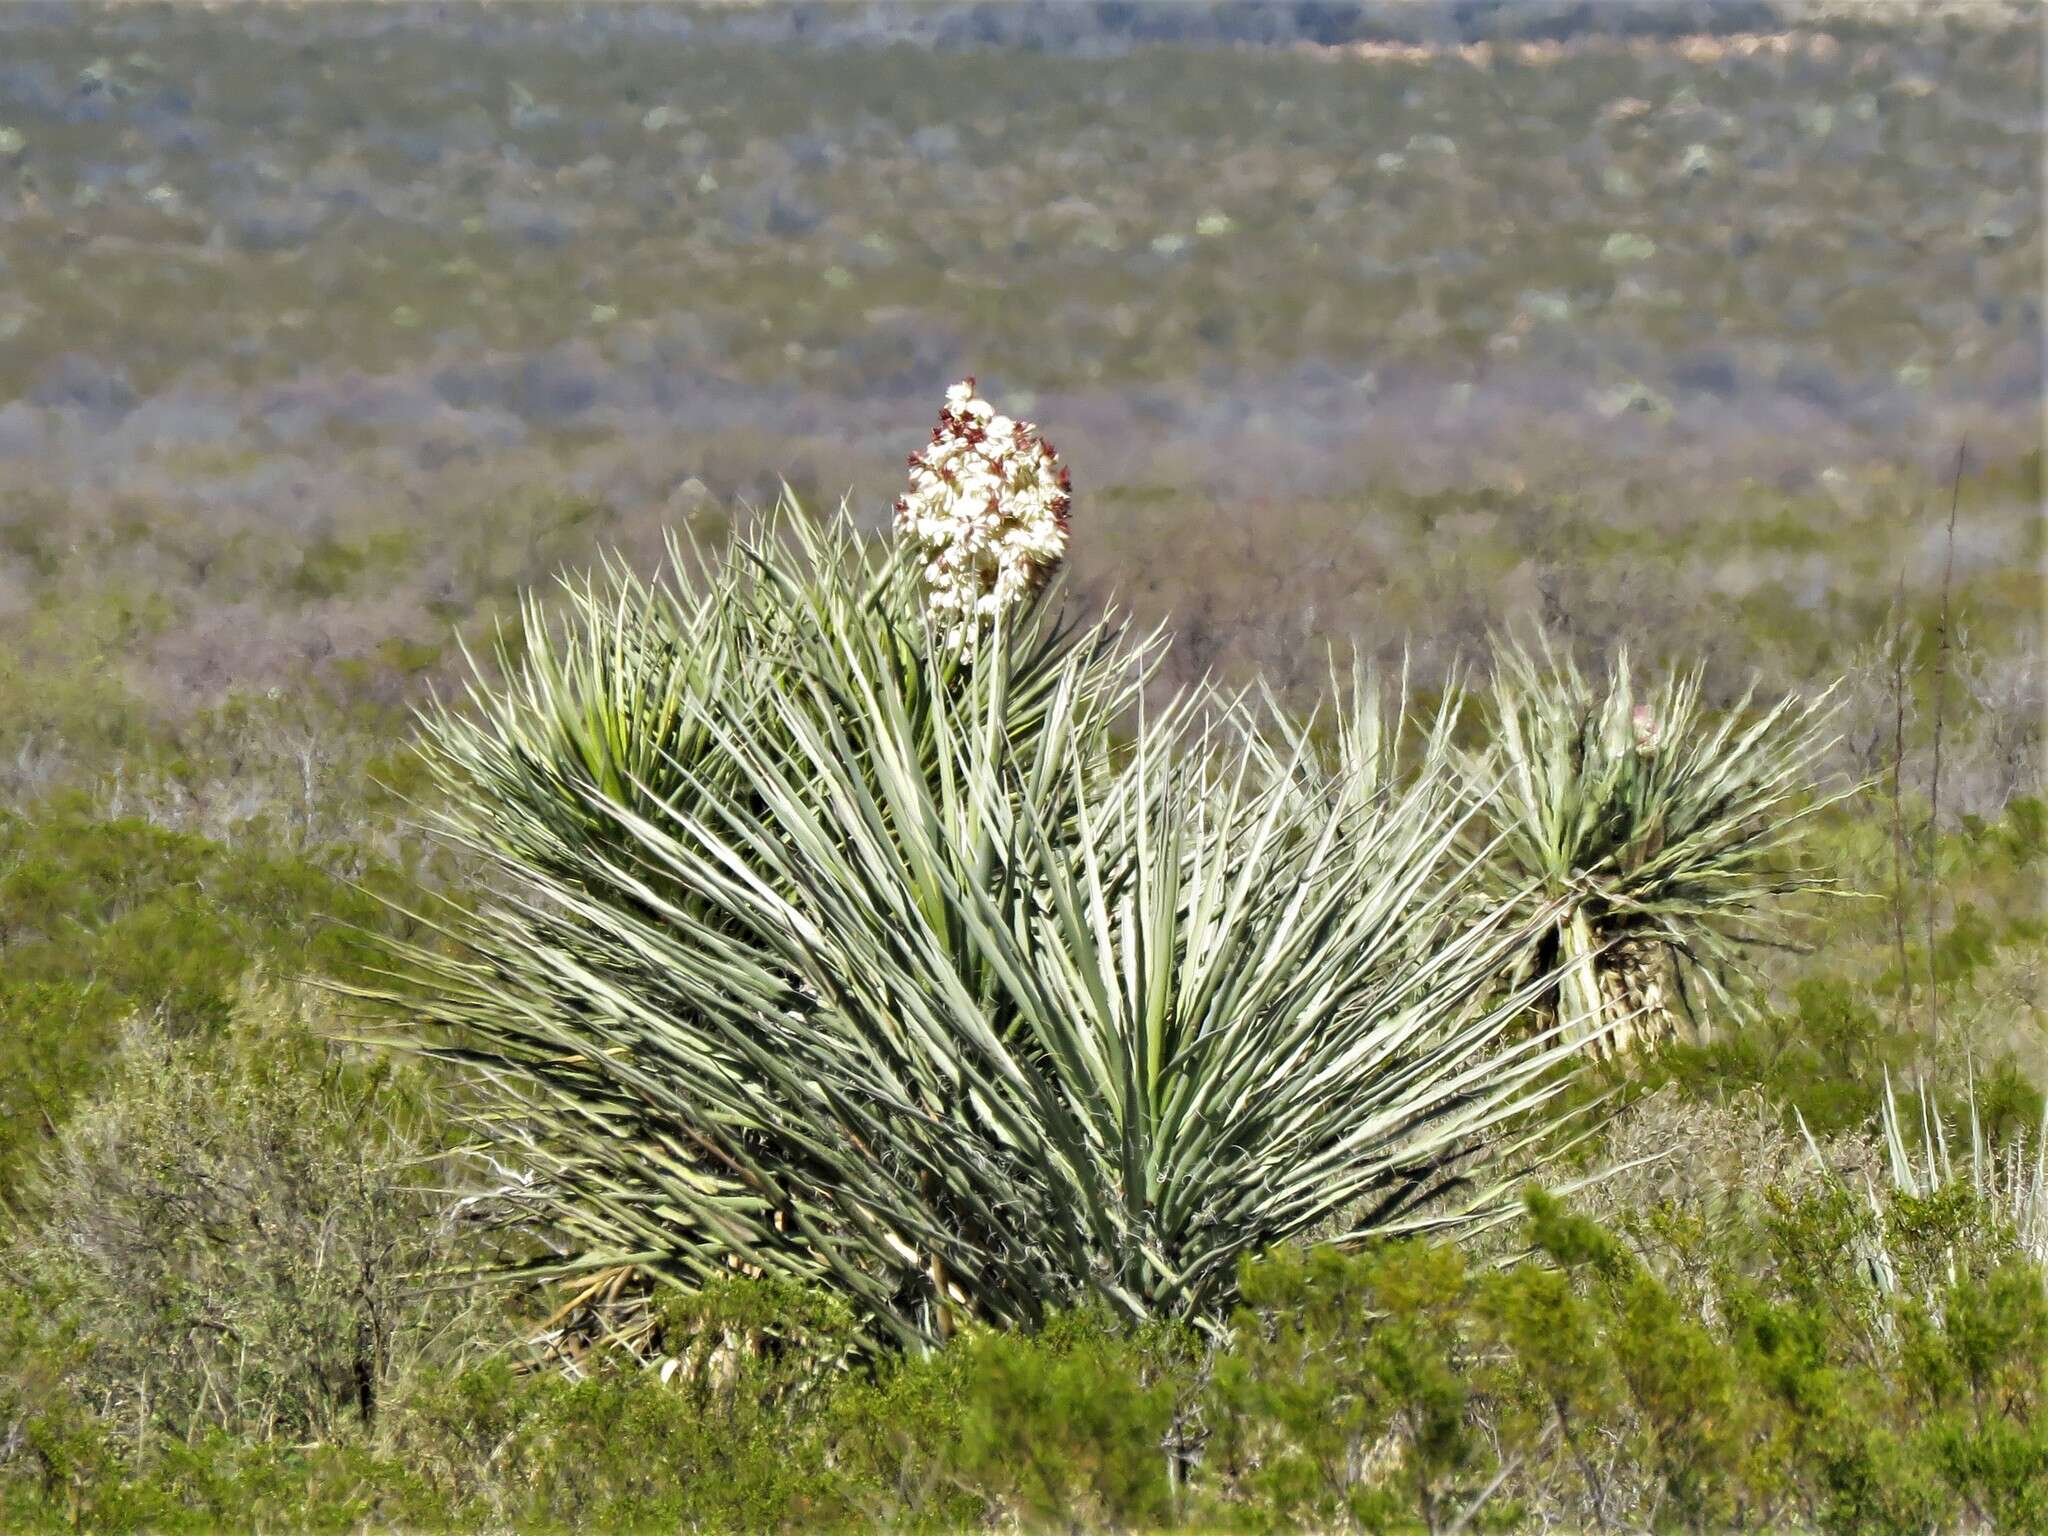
{"points": [[1507, 1469], [1898, 649], [1934, 777]]}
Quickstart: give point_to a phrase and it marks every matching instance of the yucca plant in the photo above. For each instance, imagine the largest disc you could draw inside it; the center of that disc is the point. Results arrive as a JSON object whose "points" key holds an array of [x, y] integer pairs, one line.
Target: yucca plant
{"points": [[2008, 1182], [1660, 835], [854, 929], [968, 1022], [1947, 1201], [2012, 1178]]}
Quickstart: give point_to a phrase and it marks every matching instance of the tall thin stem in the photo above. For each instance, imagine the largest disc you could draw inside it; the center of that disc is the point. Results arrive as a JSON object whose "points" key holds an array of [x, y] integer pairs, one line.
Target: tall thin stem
{"points": [[1899, 851], [1934, 775]]}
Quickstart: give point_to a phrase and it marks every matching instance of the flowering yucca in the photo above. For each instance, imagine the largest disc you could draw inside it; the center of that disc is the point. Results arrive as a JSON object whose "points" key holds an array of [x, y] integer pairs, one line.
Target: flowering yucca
{"points": [[966, 992], [986, 512]]}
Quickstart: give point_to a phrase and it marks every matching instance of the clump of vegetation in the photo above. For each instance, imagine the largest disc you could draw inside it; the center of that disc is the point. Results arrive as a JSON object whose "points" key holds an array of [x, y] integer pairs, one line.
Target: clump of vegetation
{"points": [[106, 917], [917, 1078], [241, 1223], [1656, 836], [1593, 1384], [776, 868], [2002, 1183], [946, 975]]}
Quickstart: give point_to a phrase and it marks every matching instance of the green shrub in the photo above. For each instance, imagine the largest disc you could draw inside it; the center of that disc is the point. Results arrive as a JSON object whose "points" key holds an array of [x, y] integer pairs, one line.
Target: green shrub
{"points": [[1067, 1430], [620, 1452], [232, 1232], [1578, 1386], [105, 918], [1344, 1395], [894, 1434], [1395, 1389]]}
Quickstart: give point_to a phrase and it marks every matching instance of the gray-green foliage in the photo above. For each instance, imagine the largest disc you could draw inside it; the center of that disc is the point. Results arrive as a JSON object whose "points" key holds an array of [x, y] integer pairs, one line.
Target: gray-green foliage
{"points": [[231, 1234], [1656, 831], [1997, 1191], [972, 990]]}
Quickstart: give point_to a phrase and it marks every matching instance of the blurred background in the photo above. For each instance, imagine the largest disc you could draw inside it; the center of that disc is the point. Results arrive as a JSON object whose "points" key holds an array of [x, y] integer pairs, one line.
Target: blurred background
{"points": [[325, 329]]}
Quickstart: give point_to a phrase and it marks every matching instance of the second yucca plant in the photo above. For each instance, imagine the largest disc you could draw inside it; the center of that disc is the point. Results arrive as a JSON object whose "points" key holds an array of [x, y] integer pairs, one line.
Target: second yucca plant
{"points": [[1657, 834], [2006, 1181]]}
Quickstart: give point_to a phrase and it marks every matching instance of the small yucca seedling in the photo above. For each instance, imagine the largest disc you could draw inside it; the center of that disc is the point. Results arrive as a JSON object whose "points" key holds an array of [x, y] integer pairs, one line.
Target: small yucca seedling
{"points": [[2009, 1182], [1989, 1198], [1659, 834]]}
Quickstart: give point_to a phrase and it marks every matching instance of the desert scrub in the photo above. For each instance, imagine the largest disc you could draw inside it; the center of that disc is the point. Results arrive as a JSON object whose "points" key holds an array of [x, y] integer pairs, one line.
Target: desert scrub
{"points": [[1577, 1387], [106, 917], [233, 1233], [1398, 1387], [1822, 1041], [1343, 1398]]}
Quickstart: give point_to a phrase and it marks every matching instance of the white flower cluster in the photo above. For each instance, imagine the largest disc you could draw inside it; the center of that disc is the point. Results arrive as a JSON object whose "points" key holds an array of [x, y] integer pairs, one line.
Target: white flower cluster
{"points": [[987, 511], [1644, 722]]}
